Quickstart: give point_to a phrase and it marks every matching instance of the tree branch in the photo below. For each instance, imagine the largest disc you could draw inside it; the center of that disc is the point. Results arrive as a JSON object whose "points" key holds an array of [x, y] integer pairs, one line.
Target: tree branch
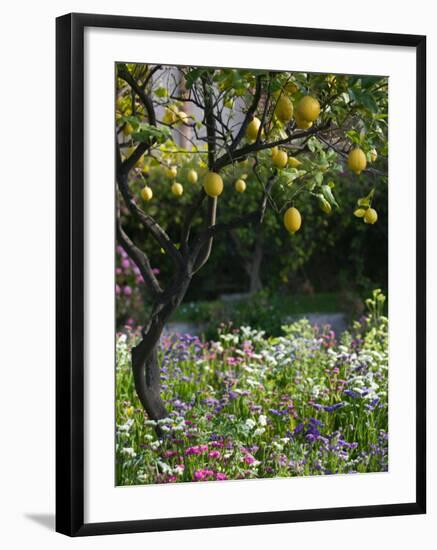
{"points": [[189, 217], [150, 223], [249, 115], [140, 259], [204, 251], [246, 150], [257, 216], [124, 73]]}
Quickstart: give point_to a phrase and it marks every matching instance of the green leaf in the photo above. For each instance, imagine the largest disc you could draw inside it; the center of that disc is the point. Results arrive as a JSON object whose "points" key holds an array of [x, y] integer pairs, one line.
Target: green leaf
{"points": [[151, 134], [364, 98], [367, 200], [161, 92], [132, 120], [329, 196], [369, 81]]}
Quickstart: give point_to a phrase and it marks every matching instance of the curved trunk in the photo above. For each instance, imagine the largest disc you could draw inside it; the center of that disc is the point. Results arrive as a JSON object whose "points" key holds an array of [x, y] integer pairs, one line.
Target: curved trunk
{"points": [[147, 380], [145, 364]]}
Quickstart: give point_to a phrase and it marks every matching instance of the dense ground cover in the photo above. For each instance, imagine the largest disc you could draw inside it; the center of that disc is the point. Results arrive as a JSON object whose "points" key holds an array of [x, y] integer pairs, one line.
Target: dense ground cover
{"points": [[308, 402]]}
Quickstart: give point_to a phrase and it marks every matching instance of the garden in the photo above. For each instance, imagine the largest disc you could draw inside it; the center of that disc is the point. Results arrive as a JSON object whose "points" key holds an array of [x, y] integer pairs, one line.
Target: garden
{"points": [[250, 274]]}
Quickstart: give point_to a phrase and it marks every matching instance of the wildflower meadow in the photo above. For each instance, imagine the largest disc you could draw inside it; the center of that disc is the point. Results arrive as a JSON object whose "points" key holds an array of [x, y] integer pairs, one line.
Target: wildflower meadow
{"points": [[309, 402]]}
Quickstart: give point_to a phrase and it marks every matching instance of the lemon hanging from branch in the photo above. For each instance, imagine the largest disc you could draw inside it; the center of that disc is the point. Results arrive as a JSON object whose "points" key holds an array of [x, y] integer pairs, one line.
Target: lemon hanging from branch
{"points": [[284, 109], [280, 159], [146, 193], [308, 109], [177, 189], [213, 184], [253, 129], [240, 186], [301, 123], [192, 176], [357, 161], [370, 216], [292, 219]]}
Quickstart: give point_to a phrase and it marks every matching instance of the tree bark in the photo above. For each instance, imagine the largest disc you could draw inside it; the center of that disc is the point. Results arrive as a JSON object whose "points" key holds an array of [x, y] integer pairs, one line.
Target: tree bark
{"points": [[145, 363], [255, 269]]}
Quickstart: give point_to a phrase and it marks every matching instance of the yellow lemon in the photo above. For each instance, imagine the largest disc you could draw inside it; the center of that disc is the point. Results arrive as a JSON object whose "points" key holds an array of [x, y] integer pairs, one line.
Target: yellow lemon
{"points": [[284, 109], [292, 220], [357, 160], [128, 129], [325, 205], [291, 87], [192, 176], [170, 115], [274, 151], [213, 184], [240, 186], [308, 108], [301, 123], [371, 216], [172, 172], [293, 162], [146, 193], [280, 159], [177, 189], [252, 129]]}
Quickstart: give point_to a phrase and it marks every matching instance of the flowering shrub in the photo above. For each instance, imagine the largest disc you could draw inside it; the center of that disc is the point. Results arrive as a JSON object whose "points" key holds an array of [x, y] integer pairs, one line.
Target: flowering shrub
{"points": [[129, 291], [247, 406]]}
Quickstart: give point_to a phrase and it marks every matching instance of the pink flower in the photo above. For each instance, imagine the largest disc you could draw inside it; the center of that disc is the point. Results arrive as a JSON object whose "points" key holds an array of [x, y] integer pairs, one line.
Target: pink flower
{"points": [[200, 475], [196, 450], [117, 290], [169, 454], [249, 459], [214, 454], [155, 271], [125, 263], [220, 477], [127, 291], [118, 271]]}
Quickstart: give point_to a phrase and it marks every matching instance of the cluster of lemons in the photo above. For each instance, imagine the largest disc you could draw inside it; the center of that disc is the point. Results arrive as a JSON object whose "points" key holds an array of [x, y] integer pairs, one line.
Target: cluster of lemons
{"points": [[176, 188], [357, 162], [306, 112]]}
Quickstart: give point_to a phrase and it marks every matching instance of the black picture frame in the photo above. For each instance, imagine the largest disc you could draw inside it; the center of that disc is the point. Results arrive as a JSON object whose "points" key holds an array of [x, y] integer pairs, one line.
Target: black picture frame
{"points": [[70, 273]]}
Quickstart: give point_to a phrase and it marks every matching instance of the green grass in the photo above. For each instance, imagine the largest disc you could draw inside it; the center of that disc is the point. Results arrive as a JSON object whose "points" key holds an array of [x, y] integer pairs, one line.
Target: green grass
{"points": [[262, 311], [323, 302]]}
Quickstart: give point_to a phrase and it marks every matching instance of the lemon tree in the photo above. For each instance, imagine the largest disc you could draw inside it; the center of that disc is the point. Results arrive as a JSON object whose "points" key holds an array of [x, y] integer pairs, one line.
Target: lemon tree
{"points": [[188, 137]]}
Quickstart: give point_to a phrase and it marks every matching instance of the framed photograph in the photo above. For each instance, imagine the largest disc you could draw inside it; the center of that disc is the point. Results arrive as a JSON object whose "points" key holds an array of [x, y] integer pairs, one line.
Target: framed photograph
{"points": [[240, 274]]}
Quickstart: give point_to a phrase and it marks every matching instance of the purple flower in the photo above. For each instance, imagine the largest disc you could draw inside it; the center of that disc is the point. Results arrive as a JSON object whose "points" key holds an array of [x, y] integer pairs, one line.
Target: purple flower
{"points": [[330, 408]]}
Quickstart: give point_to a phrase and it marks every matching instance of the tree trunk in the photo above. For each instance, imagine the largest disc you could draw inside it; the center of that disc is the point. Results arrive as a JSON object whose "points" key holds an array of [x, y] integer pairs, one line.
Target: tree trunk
{"points": [[255, 269], [145, 364]]}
